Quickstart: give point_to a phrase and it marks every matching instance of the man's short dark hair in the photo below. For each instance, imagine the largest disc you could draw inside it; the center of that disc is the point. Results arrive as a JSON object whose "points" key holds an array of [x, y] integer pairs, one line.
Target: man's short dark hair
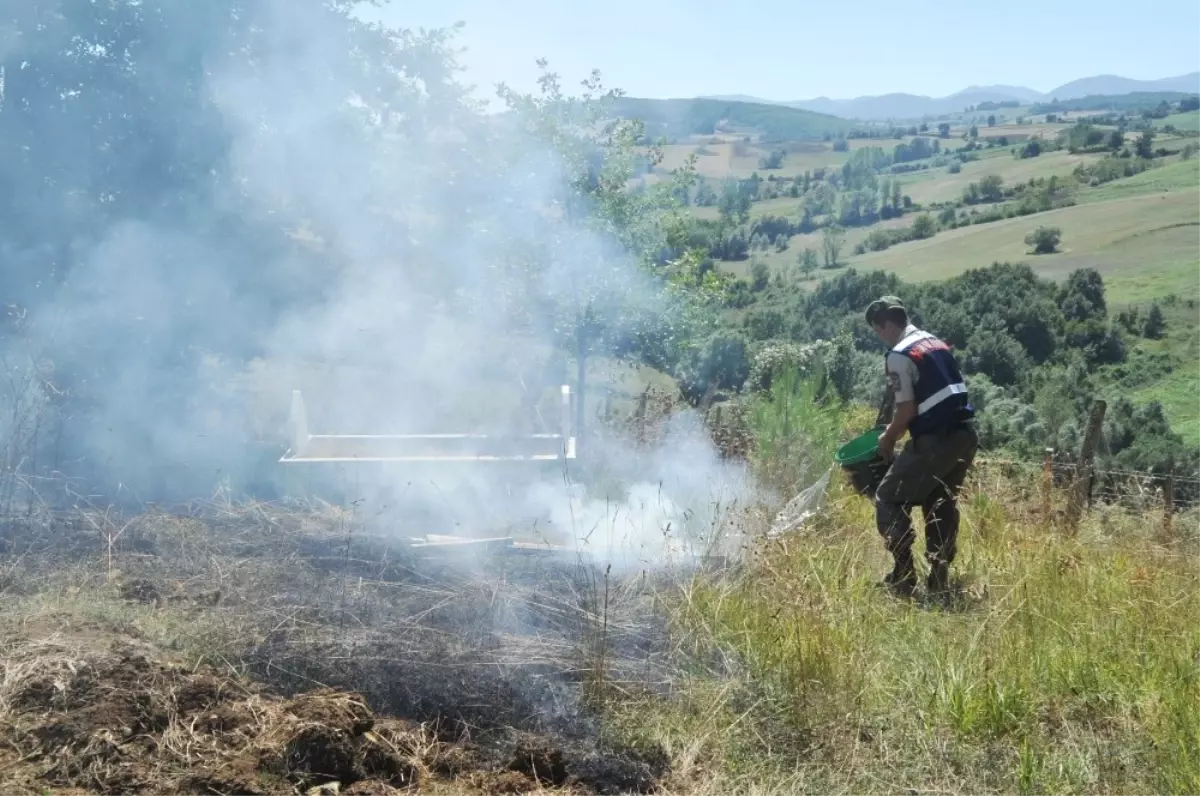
{"points": [[888, 308]]}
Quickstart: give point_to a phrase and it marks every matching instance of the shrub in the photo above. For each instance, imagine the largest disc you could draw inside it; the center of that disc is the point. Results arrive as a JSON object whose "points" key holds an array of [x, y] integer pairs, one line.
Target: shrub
{"points": [[1044, 240]]}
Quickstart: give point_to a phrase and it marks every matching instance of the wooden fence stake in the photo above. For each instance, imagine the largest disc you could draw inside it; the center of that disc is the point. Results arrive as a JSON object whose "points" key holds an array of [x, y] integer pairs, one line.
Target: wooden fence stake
{"points": [[1082, 486], [1047, 484], [640, 416], [1169, 502]]}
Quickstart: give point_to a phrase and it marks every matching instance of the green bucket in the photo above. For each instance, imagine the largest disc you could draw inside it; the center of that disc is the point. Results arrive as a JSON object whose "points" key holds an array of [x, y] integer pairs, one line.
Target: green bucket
{"points": [[862, 462], [861, 449]]}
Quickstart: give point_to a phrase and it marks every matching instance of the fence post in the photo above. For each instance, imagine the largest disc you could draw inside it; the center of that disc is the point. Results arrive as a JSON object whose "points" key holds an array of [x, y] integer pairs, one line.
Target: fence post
{"points": [[1169, 502], [1047, 484], [640, 416], [1082, 485]]}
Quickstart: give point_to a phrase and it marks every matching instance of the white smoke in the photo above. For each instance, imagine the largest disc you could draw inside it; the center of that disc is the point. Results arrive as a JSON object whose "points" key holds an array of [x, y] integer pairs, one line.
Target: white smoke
{"points": [[435, 227]]}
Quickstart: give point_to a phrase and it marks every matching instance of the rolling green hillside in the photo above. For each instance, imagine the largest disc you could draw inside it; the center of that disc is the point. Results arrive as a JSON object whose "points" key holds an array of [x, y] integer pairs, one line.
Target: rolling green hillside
{"points": [[680, 118], [1130, 241]]}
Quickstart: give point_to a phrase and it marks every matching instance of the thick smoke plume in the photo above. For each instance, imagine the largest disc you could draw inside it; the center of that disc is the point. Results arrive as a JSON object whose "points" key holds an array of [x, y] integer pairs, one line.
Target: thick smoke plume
{"points": [[425, 266]]}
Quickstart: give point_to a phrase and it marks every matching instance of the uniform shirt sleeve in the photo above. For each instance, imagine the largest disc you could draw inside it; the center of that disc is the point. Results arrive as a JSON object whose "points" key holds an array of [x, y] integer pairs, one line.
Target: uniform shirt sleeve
{"points": [[902, 377]]}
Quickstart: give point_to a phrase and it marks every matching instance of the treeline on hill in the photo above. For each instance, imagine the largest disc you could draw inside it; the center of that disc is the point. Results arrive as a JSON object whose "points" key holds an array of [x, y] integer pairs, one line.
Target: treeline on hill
{"points": [[1133, 102], [673, 119], [1036, 354]]}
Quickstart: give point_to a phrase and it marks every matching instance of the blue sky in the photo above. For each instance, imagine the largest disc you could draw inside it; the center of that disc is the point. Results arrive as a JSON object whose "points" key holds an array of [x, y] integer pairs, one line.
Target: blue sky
{"points": [[798, 50]]}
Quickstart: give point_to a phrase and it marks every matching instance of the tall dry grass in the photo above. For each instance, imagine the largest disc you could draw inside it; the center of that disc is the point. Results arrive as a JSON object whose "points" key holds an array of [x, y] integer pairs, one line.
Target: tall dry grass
{"points": [[1064, 663]]}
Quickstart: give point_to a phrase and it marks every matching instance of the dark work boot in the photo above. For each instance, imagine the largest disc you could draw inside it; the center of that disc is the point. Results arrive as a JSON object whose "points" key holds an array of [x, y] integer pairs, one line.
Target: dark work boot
{"points": [[902, 580], [938, 582]]}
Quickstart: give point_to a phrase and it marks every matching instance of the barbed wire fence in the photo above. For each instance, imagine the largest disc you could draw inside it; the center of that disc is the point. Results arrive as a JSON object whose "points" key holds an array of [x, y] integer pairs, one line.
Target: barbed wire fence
{"points": [[1084, 485]]}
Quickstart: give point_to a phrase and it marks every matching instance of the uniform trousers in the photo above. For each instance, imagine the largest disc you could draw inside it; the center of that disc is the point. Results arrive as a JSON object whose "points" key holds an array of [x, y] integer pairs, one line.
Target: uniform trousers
{"points": [[928, 472]]}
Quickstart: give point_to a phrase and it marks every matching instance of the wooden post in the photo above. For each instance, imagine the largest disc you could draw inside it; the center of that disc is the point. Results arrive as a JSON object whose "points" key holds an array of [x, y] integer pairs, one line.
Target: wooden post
{"points": [[1047, 484], [1169, 501], [709, 393], [580, 388], [1082, 486], [640, 417]]}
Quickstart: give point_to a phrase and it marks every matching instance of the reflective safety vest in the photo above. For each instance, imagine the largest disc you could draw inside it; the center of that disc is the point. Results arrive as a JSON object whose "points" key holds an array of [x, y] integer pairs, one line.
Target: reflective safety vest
{"points": [[940, 393]]}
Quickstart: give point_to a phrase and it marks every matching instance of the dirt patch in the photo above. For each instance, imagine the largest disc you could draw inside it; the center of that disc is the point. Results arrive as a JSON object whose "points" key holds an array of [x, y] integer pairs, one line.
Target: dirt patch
{"points": [[544, 765], [123, 723]]}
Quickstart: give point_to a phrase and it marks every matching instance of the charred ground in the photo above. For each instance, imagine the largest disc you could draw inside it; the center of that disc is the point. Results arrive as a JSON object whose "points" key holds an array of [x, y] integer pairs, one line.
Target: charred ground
{"points": [[268, 649]]}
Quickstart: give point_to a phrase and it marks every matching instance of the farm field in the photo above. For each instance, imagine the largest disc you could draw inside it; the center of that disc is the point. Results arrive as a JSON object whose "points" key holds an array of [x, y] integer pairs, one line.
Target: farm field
{"points": [[1181, 121], [1178, 176], [1148, 233], [948, 187], [717, 161]]}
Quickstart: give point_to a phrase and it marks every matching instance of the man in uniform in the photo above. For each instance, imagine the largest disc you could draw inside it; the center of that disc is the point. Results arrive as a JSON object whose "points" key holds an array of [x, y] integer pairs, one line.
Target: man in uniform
{"points": [[931, 404]]}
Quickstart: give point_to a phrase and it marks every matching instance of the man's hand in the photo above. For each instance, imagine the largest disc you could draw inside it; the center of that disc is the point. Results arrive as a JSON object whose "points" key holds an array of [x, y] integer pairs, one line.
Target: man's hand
{"points": [[887, 447], [905, 412]]}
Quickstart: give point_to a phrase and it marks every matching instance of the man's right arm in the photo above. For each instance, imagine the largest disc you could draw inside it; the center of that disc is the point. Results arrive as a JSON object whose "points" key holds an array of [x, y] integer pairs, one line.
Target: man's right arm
{"points": [[900, 383]]}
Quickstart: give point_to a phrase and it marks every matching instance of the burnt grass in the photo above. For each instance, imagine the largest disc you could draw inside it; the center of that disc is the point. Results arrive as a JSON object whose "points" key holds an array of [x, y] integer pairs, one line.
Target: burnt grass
{"points": [[282, 647]]}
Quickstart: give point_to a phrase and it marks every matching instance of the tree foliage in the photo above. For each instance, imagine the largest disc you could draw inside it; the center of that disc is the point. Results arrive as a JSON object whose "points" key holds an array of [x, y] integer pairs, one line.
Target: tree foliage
{"points": [[1044, 240]]}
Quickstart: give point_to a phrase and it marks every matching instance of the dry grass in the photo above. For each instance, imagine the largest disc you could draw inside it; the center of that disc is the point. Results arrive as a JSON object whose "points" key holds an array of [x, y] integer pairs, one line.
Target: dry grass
{"points": [[1064, 664]]}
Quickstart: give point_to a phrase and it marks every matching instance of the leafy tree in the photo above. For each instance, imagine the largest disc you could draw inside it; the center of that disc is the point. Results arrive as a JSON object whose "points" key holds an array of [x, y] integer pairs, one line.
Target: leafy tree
{"points": [[1082, 297], [991, 120], [923, 226], [808, 262], [1156, 325], [1145, 144], [997, 354], [1044, 240], [991, 188], [772, 160], [943, 130], [760, 276], [722, 361], [832, 238], [733, 204]]}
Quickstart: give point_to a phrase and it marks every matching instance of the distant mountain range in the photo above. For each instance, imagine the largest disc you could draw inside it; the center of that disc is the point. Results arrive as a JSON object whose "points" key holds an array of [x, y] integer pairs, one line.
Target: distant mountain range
{"points": [[913, 106]]}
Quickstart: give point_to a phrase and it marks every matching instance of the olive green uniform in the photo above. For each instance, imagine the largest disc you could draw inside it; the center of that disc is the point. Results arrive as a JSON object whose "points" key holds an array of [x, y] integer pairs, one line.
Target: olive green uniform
{"points": [[927, 472]]}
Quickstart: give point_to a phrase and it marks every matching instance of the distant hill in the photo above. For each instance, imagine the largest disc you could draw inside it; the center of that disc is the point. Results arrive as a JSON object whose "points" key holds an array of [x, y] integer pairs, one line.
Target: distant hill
{"points": [[902, 106], [915, 106], [1112, 84], [1122, 103], [912, 106], [679, 118]]}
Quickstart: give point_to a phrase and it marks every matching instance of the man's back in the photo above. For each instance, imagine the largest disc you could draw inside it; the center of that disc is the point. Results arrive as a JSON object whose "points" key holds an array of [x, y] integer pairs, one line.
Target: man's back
{"points": [[922, 369]]}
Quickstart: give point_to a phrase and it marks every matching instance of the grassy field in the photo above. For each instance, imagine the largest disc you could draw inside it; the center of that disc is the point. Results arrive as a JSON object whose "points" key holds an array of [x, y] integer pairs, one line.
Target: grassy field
{"points": [[780, 206], [1181, 121], [948, 187], [1180, 175], [1138, 242], [1067, 670], [1178, 392], [719, 160]]}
